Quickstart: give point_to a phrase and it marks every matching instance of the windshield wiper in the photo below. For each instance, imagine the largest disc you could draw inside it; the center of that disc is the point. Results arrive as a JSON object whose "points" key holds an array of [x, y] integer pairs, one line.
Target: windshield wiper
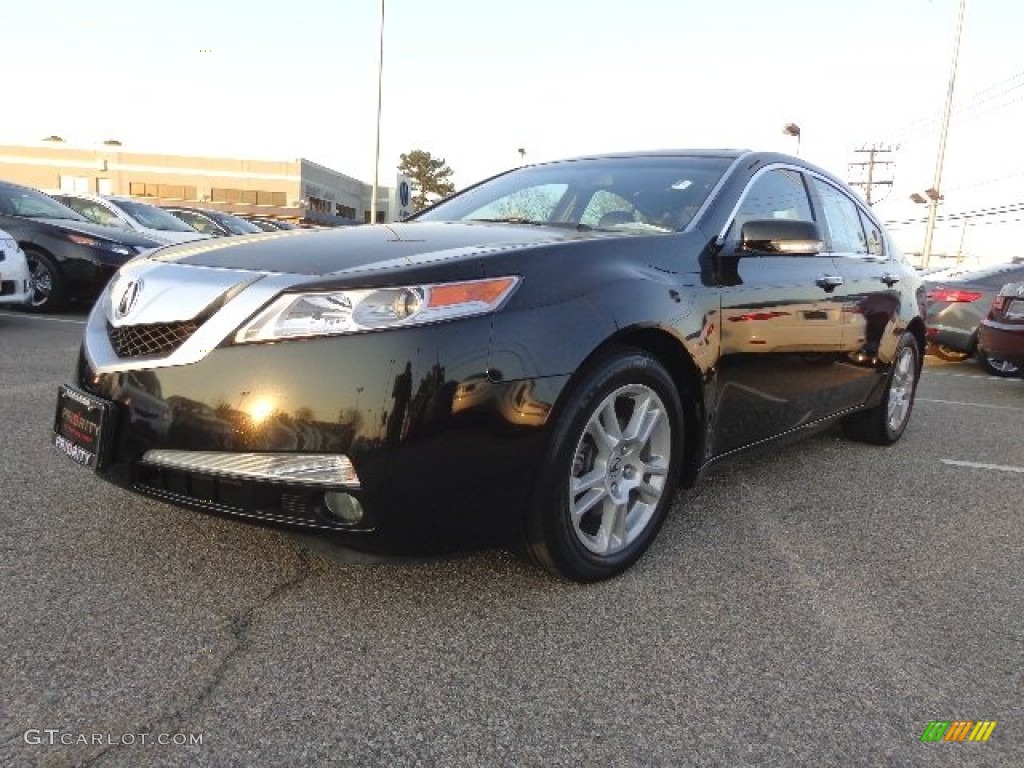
{"points": [[532, 223]]}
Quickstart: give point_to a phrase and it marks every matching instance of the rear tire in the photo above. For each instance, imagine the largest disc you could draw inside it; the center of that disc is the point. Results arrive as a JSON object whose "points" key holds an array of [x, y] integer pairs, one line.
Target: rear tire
{"points": [[997, 367], [885, 423], [49, 292], [609, 474]]}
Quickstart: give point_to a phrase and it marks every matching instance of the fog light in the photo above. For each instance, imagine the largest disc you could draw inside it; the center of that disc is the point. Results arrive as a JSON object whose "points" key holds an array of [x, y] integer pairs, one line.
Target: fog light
{"points": [[345, 508]]}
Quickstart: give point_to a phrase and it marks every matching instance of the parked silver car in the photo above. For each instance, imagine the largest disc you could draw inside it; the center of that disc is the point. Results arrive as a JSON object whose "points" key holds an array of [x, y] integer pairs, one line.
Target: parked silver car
{"points": [[957, 303], [15, 286]]}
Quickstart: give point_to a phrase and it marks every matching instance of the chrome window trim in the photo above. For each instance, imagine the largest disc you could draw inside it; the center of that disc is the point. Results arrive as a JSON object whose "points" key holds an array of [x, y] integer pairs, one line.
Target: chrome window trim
{"points": [[865, 211], [720, 239]]}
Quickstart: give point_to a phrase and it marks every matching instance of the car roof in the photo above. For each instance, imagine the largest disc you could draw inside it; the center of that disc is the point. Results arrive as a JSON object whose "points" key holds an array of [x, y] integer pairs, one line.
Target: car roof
{"points": [[83, 195], [725, 153]]}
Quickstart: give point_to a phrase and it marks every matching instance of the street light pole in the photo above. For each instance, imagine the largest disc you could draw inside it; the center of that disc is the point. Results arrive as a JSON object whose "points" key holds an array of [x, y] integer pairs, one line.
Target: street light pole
{"points": [[933, 209], [376, 149]]}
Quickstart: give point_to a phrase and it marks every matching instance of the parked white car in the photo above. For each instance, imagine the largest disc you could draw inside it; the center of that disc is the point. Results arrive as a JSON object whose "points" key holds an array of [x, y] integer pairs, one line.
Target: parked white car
{"points": [[130, 213], [15, 286]]}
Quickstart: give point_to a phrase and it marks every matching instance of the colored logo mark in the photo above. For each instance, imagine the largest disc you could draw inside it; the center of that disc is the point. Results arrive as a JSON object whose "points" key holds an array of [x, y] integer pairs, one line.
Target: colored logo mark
{"points": [[958, 730]]}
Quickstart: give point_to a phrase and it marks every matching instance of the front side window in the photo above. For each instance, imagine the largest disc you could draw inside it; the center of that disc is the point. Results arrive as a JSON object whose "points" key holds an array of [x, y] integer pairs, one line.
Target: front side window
{"points": [[843, 220], [775, 194]]}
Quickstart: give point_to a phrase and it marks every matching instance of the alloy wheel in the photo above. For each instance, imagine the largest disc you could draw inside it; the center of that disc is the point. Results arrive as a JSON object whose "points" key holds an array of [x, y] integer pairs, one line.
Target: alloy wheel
{"points": [[901, 389], [620, 469], [1002, 367], [40, 281]]}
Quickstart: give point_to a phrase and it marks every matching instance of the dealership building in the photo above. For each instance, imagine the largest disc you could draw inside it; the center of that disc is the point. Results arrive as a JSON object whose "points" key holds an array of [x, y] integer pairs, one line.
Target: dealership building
{"points": [[298, 190]]}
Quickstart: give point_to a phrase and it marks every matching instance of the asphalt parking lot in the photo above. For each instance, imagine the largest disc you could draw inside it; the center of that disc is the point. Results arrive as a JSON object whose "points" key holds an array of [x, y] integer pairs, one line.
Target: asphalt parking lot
{"points": [[818, 606]]}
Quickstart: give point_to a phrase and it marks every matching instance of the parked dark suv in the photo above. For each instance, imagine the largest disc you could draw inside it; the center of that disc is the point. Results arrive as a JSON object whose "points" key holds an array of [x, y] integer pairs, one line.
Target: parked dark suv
{"points": [[69, 257]]}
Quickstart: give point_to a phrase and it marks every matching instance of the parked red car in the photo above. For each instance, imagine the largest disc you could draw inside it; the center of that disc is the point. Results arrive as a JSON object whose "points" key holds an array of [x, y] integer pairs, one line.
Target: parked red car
{"points": [[1001, 335]]}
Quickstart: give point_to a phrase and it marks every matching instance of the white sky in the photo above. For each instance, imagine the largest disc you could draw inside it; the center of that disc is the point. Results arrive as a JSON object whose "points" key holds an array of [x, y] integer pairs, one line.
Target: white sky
{"points": [[472, 81]]}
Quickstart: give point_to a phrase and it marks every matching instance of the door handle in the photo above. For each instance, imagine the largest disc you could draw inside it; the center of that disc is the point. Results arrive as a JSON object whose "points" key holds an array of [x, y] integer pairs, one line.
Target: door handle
{"points": [[829, 282], [890, 279]]}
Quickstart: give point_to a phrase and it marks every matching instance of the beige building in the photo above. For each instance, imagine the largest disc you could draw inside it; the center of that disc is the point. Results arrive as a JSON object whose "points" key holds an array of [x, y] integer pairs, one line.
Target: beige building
{"points": [[292, 189]]}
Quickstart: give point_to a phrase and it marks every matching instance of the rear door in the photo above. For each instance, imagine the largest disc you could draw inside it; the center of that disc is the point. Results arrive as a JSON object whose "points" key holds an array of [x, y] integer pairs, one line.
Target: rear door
{"points": [[868, 300]]}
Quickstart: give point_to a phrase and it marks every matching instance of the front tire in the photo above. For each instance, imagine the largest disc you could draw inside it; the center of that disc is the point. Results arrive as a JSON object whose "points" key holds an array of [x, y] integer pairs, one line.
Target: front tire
{"points": [[610, 471], [885, 423]]}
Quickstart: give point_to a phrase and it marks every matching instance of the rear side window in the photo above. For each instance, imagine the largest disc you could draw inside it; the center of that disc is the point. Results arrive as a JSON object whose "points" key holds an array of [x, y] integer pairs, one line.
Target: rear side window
{"points": [[843, 220], [876, 243]]}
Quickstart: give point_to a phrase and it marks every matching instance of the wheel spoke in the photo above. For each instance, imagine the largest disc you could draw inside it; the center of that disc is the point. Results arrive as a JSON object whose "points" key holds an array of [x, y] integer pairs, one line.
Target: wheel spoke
{"points": [[643, 421], [592, 479], [656, 465], [648, 491], [586, 503], [605, 427], [613, 527]]}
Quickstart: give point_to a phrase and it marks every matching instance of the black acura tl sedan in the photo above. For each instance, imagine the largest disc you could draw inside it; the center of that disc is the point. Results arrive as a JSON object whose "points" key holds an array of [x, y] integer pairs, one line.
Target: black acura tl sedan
{"points": [[69, 257], [538, 361]]}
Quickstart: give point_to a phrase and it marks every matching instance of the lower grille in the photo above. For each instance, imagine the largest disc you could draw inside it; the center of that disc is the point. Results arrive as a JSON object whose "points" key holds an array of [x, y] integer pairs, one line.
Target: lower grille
{"points": [[259, 501], [155, 339]]}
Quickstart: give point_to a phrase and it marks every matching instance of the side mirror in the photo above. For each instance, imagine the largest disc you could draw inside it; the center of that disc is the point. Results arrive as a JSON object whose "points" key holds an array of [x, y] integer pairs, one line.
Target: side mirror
{"points": [[786, 237]]}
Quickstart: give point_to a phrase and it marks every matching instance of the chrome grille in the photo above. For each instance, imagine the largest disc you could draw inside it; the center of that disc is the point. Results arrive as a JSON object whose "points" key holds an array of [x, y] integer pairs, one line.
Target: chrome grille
{"points": [[155, 339]]}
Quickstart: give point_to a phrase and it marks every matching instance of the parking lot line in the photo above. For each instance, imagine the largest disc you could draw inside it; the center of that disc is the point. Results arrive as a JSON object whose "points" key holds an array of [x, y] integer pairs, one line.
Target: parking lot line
{"points": [[1003, 379], [972, 405], [42, 317], [980, 465]]}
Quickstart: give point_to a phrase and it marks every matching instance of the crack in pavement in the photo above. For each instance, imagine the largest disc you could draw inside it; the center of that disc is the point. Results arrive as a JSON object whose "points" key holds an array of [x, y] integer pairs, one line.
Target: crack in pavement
{"points": [[240, 625]]}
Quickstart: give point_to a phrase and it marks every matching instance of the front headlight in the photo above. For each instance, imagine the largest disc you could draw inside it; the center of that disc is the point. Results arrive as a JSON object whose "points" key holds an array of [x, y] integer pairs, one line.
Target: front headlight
{"points": [[299, 315], [103, 245]]}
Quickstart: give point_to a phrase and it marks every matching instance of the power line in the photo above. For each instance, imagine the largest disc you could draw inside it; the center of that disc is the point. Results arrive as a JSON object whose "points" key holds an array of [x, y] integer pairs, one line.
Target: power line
{"points": [[978, 213], [963, 108]]}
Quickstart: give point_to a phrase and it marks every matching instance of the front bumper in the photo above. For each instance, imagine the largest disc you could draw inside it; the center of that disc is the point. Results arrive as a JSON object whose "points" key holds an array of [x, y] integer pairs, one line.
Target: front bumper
{"points": [[441, 451], [14, 277]]}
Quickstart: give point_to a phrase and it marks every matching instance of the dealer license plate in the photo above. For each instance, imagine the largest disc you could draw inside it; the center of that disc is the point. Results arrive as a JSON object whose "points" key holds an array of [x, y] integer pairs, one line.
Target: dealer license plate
{"points": [[81, 425]]}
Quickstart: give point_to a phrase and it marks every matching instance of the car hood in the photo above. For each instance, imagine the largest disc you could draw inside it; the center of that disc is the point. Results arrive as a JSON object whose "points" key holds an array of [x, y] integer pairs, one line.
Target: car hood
{"points": [[364, 248], [98, 230]]}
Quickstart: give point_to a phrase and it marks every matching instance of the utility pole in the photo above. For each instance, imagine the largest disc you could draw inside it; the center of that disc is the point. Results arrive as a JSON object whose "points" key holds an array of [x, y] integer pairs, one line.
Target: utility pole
{"points": [[870, 180]]}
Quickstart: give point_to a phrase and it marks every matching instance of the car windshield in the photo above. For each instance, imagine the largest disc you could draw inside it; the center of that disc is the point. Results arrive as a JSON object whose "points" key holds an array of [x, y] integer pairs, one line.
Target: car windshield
{"points": [[152, 217], [635, 194], [235, 225], [20, 201]]}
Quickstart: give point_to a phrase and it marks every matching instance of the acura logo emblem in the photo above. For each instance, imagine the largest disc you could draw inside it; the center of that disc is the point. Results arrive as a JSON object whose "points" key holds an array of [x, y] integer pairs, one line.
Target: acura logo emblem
{"points": [[129, 298]]}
